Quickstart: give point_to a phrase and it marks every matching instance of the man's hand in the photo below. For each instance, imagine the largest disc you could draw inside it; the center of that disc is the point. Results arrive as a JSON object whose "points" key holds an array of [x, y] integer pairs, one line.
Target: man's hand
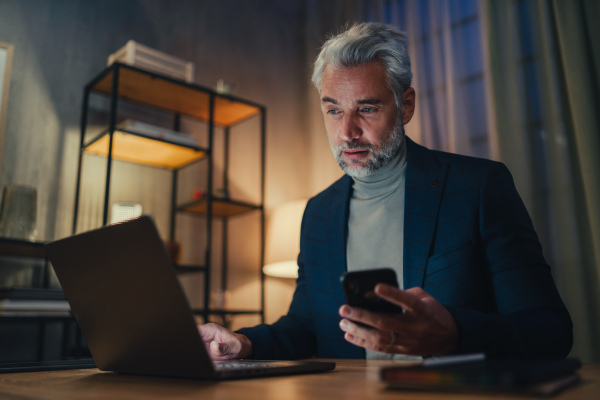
{"points": [[222, 344], [425, 328]]}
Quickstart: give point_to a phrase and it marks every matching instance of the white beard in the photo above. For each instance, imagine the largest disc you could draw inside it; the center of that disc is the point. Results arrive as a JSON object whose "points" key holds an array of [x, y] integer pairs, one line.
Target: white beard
{"points": [[389, 149]]}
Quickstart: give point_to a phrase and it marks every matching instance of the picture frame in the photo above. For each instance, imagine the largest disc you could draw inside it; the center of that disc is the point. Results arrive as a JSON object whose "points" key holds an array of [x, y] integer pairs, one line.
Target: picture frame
{"points": [[6, 55]]}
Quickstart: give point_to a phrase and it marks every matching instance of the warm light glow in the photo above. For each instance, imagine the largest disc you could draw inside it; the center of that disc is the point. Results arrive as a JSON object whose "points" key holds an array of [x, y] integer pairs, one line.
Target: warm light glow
{"points": [[282, 269], [283, 239]]}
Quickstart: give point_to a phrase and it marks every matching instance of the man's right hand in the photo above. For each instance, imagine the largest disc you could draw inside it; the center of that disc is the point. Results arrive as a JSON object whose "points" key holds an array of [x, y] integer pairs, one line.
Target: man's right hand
{"points": [[222, 344]]}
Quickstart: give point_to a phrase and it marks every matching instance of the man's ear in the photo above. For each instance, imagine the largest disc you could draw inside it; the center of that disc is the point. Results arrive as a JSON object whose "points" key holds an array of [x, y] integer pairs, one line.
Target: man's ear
{"points": [[408, 105]]}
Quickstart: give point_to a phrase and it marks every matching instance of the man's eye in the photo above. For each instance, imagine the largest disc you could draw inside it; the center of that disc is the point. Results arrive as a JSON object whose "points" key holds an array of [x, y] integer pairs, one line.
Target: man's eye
{"points": [[368, 109], [333, 112]]}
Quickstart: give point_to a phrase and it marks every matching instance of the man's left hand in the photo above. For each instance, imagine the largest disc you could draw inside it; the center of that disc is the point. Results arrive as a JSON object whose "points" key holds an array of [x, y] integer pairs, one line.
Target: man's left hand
{"points": [[425, 328]]}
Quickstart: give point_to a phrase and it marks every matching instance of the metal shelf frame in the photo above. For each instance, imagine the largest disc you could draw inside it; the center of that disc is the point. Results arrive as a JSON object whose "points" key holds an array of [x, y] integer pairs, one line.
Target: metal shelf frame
{"points": [[125, 82]]}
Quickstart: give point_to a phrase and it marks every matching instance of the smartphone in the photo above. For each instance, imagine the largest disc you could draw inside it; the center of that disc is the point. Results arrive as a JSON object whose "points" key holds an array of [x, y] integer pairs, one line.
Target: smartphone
{"points": [[359, 289]]}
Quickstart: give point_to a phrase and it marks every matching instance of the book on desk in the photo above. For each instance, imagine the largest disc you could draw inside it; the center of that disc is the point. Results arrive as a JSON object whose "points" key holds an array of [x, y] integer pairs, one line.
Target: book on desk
{"points": [[538, 377]]}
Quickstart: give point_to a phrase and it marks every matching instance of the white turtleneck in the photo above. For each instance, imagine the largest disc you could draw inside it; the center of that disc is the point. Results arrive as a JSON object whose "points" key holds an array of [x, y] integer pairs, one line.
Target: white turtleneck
{"points": [[376, 224], [376, 221]]}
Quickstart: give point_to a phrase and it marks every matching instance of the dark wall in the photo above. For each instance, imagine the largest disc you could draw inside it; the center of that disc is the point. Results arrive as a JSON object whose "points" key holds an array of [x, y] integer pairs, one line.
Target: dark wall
{"points": [[61, 44]]}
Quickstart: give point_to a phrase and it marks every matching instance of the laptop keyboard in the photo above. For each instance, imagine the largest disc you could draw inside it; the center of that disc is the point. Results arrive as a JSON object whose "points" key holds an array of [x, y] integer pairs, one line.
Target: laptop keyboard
{"points": [[242, 365]]}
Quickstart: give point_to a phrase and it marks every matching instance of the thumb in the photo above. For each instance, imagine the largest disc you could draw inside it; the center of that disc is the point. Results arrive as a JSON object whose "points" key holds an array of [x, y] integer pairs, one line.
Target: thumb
{"points": [[218, 349], [221, 349]]}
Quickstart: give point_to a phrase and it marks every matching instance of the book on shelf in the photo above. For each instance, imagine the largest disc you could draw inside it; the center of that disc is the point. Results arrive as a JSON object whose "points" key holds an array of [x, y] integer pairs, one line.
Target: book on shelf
{"points": [[33, 307], [157, 132], [149, 59], [26, 301]]}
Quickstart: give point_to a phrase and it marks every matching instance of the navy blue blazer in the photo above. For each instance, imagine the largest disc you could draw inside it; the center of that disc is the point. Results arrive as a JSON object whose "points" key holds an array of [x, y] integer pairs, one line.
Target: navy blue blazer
{"points": [[468, 241]]}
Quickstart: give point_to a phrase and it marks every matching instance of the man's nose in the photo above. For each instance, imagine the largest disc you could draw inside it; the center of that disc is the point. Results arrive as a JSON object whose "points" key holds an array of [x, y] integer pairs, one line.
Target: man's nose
{"points": [[351, 129]]}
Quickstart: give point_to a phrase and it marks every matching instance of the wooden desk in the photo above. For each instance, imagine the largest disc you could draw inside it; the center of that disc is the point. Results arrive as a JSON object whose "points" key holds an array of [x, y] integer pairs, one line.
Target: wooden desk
{"points": [[352, 379]]}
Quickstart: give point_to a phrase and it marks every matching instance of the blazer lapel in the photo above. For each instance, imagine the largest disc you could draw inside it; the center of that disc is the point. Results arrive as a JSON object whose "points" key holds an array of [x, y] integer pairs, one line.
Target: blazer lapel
{"points": [[337, 229], [425, 182], [336, 244]]}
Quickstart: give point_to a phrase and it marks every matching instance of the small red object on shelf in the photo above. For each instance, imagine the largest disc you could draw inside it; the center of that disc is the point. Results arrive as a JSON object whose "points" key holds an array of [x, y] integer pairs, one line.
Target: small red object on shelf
{"points": [[197, 194]]}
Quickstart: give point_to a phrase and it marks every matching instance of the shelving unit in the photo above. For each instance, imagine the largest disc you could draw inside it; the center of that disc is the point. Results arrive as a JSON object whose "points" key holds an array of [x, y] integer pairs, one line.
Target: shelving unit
{"points": [[71, 345], [121, 82]]}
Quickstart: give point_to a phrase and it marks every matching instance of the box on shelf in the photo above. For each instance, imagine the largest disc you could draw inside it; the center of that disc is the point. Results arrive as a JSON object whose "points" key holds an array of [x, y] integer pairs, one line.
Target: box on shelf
{"points": [[157, 132], [144, 57]]}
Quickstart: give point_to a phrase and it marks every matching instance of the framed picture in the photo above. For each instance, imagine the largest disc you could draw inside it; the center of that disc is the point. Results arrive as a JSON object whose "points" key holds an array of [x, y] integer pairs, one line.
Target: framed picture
{"points": [[6, 53]]}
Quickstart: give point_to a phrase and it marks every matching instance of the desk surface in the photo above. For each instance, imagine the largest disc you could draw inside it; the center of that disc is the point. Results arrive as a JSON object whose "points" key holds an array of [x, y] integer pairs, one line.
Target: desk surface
{"points": [[352, 379]]}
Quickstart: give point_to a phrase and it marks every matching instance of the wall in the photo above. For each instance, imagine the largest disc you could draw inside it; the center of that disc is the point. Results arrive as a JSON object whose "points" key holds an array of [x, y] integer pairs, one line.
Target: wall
{"points": [[60, 45]]}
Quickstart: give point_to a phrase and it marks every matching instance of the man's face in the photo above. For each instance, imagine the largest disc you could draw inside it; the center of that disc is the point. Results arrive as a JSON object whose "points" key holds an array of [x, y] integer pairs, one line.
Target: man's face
{"points": [[361, 117]]}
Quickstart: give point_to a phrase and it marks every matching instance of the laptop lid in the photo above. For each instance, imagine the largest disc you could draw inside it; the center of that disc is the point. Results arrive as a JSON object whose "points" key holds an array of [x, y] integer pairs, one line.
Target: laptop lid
{"points": [[126, 297]]}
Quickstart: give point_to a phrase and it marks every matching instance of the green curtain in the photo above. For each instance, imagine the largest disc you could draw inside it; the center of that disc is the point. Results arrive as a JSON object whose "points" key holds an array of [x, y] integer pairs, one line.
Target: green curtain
{"points": [[543, 69]]}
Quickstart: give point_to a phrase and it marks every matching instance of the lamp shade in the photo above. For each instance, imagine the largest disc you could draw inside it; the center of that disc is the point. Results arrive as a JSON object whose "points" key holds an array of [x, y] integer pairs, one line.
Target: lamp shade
{"points": [[282, 243]]}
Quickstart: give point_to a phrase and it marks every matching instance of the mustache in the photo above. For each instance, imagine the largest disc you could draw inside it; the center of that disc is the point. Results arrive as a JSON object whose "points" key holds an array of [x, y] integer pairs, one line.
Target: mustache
{"points": [[354, 146]]}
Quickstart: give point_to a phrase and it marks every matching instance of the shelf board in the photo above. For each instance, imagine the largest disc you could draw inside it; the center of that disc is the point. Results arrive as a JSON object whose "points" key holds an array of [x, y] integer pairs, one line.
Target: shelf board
{"points": [[189, 268], [39, 317], [174, 95], [23, 248], [31, 293], [221, 207], [139, 149]]}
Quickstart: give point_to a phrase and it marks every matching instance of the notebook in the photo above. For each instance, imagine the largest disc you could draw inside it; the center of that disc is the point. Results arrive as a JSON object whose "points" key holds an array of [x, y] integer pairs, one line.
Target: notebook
{"points": [[133, 314], [537, 377]]}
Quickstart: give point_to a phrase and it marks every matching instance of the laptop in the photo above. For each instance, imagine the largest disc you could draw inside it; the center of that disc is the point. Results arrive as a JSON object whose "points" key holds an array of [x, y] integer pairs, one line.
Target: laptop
{"points": [[128, 302]]}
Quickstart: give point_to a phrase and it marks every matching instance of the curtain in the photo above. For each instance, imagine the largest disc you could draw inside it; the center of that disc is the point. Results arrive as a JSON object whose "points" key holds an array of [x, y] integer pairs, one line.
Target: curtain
{"points": [[542, 73], [447, 65], [448, 73]]}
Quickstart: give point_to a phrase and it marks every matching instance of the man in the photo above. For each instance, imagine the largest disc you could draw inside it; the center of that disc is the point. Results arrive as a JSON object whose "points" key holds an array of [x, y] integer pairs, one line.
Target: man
{"points": [[453, 228]]}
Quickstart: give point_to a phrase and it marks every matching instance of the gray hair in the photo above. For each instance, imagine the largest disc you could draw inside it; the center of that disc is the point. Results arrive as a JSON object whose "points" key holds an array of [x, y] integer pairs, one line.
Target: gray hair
{"points": [[363, 43]]}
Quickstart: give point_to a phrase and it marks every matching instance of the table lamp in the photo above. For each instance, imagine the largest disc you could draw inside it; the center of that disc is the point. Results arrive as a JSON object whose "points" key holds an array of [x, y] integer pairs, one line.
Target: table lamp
{"points": [[282, 243]]}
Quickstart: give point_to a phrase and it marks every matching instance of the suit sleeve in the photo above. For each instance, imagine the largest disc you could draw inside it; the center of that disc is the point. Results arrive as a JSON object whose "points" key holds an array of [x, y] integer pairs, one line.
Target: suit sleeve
{"points": [[531, 319], [293, 335]]}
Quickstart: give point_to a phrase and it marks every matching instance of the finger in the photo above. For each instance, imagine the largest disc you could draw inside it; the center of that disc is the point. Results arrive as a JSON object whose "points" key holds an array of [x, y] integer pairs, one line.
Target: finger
{"points": [[224, 350], [408, 326], [405, 299], [402, 344], [215, 348], [360, 331], [373, 339], [382, 321], [366, 337], [207, 331]]}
